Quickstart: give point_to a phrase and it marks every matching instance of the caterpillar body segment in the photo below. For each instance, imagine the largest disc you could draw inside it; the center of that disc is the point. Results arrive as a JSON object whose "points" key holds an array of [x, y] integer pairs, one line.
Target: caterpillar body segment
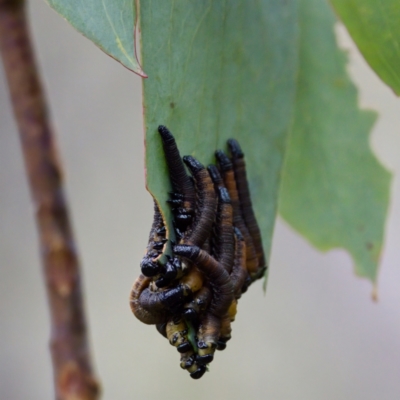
{"points": [[239, 166], [228, 175]]}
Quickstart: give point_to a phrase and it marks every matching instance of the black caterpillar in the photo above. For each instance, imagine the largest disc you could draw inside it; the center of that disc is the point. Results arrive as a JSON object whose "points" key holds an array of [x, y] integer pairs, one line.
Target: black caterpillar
{"points": [[217, 256]]}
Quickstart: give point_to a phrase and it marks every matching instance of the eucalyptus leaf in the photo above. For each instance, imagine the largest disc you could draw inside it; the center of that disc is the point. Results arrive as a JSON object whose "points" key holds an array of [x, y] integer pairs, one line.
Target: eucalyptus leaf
{"points": [[375, 27], [257, 72], [216, 70], [334, 191], [109, 24]]}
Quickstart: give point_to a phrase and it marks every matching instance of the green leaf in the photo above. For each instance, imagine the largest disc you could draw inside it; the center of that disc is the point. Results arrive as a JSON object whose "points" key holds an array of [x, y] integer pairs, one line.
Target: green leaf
{"points": [[375, 27], [220, 69], [226, 69], [108, 24], [334, 191]]}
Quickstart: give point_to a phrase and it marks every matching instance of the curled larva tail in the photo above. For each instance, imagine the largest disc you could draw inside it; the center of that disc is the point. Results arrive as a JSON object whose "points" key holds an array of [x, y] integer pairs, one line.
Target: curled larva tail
{"points": [[153, 307], [141, 313], [218, 277]]}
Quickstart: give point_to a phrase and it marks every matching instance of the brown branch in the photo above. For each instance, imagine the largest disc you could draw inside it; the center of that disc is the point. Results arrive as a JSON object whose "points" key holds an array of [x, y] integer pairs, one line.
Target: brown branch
{"points": [[74, 379]]}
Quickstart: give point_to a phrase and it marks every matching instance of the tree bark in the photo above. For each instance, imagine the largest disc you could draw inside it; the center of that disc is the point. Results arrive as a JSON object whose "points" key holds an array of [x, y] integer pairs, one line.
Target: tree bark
{"points": [[73, 372]]}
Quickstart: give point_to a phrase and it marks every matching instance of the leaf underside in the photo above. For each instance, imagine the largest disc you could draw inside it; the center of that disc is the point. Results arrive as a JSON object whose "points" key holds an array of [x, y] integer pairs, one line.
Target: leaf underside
{"points": [[271, 76], [108, 24], [334, 191], [375, 28], [212, 78]]}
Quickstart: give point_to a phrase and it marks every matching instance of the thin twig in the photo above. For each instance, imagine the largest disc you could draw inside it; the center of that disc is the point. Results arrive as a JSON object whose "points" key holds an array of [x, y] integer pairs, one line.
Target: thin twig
{"points": [[73, 375]]}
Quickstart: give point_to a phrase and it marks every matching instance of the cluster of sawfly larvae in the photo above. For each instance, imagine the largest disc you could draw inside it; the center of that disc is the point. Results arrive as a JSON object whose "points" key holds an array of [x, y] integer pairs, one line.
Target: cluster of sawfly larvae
{"points": [[191, 294]]}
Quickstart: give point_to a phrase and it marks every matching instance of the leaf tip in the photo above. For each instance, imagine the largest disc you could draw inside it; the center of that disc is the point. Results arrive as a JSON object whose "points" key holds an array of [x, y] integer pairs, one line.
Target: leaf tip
{"points": [[265, 281], [141, 73], [374, 293]]}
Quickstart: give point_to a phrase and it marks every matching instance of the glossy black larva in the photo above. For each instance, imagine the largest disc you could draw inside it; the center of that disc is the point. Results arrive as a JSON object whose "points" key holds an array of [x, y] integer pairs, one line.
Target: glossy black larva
{"points": [[191, 294]]}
